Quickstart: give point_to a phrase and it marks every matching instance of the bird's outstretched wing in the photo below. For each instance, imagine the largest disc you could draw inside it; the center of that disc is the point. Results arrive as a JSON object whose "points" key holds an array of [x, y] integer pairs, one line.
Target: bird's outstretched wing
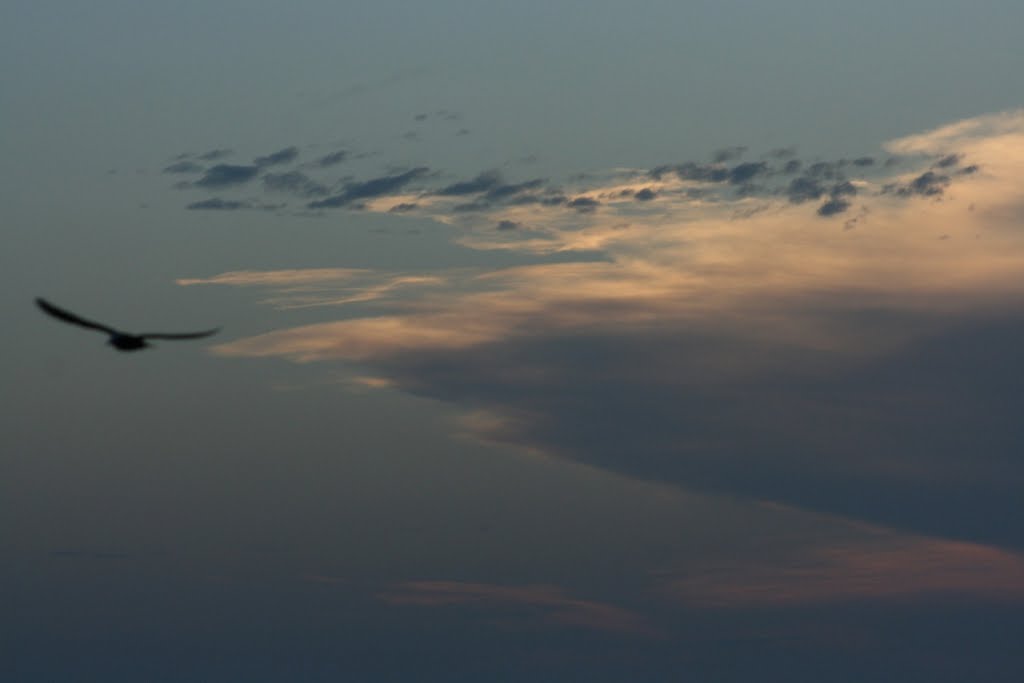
{"points": [[69, 317], [181, 335]]}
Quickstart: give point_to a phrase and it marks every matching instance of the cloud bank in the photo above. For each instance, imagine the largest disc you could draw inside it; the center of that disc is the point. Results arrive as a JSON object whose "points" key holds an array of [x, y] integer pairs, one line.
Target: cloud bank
{"points": [[738, 343]]}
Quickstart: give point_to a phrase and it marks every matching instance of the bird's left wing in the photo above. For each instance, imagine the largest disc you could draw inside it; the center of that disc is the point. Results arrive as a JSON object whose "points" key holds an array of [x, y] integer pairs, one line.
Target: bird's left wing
{"points": [[70, 317]]}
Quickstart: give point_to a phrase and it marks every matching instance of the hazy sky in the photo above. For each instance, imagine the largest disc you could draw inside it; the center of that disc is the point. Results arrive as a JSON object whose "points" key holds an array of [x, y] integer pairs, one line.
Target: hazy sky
{"points": [[561, 341]]}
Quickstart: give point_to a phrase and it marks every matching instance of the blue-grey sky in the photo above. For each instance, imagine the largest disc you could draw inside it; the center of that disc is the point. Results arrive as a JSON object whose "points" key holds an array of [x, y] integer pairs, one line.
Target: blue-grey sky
{"points": [[565, 340]]}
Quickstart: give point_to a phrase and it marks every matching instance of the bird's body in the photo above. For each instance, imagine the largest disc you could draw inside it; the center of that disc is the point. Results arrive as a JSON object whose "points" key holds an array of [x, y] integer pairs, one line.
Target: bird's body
{"points": [[122, 341]]}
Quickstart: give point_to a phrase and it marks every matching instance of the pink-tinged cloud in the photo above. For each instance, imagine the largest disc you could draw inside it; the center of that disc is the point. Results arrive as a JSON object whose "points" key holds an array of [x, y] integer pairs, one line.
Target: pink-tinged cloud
{"points": [[755, 268], [890, 567], [551, 604]]}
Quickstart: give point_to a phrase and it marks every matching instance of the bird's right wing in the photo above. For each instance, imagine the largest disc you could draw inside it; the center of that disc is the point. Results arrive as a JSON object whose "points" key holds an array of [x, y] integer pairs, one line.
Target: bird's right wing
{"points": [[69, 317], [179, 335]]}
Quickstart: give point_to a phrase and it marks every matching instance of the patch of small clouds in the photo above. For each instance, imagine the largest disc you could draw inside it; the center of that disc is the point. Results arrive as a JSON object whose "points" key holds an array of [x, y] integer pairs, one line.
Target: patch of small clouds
{"points": [[294, 183], [221, 204]]}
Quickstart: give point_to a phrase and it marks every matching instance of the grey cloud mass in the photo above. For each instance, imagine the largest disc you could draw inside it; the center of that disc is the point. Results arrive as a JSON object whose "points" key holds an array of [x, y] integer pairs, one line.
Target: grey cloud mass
{"points": [[354, 192], [224, 175]]}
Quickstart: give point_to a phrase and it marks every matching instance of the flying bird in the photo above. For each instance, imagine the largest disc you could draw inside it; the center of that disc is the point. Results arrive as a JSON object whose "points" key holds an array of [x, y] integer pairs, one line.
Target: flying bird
{"points": [[122, 341]]}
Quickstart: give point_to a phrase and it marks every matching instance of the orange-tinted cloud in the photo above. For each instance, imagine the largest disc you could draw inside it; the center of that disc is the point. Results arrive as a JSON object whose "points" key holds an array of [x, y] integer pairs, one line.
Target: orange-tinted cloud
{"points": [[888, 567]]}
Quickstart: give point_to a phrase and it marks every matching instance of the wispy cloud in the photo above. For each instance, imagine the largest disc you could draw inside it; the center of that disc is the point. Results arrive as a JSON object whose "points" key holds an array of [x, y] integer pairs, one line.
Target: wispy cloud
{"points": [[319, 286], [552, 606]]}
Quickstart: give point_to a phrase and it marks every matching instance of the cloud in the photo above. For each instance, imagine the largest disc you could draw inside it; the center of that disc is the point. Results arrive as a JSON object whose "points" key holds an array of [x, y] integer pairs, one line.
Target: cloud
{"points": [[735, 345], [833, 206], [218, 204], [483, 182], [885, 567], [319, 286], [225, 175], [743, 173], [964, 133], [645, 195], [490, 189], [504, 192], [928, 184], [215, 154], [355, 192], [782, 152], [728, 153], [509, 225], [693, 171], [282, 156], [267, 278], [804, 189], [583, 204], [332, 159], [183, 167], [550, 604], [295, 183]]}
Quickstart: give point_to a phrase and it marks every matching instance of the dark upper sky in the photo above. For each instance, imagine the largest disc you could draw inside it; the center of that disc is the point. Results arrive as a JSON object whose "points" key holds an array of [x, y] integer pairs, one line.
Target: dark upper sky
{"points": [[564, 340]]}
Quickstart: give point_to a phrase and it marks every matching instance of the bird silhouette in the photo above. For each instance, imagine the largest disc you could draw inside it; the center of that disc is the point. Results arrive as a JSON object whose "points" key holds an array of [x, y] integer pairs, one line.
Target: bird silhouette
{"points": [[122, 341]]}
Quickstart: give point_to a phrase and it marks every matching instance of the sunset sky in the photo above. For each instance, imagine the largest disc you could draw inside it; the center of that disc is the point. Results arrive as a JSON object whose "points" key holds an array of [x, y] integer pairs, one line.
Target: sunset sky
{"points": [[570, 340]]}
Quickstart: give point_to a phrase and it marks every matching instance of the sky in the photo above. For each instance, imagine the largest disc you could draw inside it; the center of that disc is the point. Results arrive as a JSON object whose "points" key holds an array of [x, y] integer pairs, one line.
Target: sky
{"points": [[566, 340]]}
